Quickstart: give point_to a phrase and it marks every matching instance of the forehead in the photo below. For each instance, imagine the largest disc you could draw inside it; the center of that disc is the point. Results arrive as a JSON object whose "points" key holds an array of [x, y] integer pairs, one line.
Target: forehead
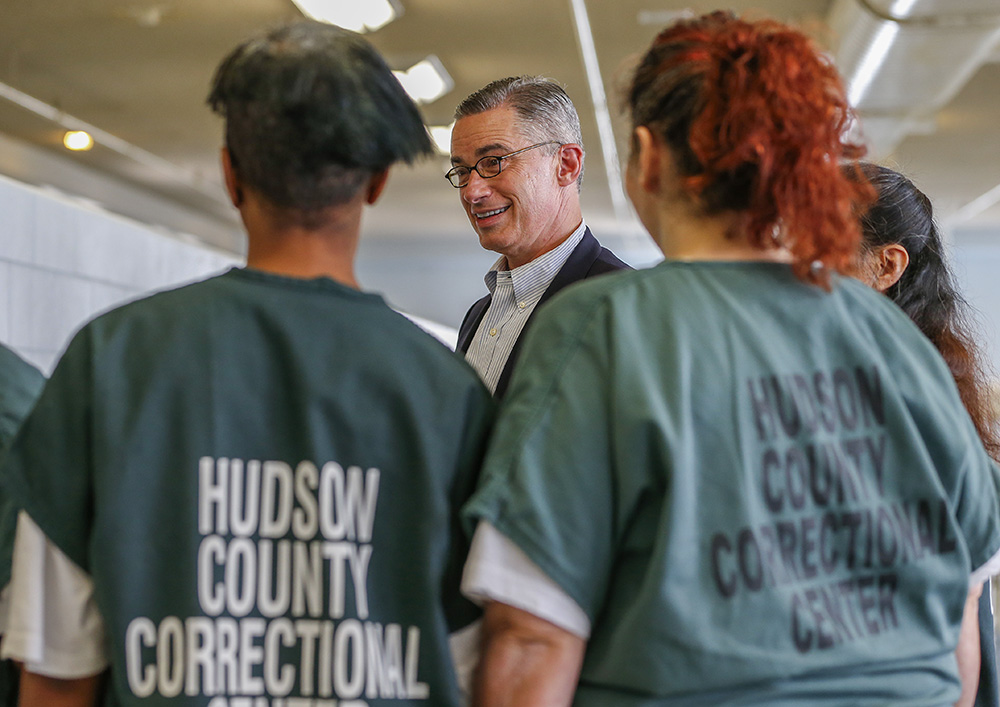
{"points": [[489, 132]]}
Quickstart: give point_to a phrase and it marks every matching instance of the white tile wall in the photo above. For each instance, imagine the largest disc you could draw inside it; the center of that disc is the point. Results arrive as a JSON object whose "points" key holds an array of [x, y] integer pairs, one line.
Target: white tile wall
{"points": [[62, 262], [4, 299], [45, 306], [976, 266], [17, 216]]}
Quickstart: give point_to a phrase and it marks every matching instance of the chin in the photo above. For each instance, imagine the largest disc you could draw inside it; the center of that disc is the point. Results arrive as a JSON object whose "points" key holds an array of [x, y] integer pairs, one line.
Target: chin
{"points": [[488, 244], [490, 240]]}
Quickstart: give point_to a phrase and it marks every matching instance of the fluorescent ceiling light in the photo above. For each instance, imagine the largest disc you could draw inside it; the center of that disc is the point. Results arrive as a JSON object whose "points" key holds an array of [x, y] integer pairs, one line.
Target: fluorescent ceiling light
{"points": [[426, 81], [441, 135], [78, 140], [355, 15], [876, 53], [605, 128]]}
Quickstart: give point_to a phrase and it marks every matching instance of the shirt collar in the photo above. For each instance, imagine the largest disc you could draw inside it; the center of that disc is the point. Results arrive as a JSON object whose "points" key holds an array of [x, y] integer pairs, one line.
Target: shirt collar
{"points": [[533, 278]]}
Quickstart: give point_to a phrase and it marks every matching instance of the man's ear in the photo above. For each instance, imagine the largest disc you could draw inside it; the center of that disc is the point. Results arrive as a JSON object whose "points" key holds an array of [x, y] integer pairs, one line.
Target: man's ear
{"points": [[570, 164], [892, 261], [233, 185], [649, 159], [375, 186]]}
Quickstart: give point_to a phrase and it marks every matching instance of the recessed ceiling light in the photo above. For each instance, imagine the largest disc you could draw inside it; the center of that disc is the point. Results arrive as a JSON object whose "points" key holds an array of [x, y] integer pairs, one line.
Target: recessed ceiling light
{"points": [[148, 16], [426, 81], [78, 140], [355, 15]]}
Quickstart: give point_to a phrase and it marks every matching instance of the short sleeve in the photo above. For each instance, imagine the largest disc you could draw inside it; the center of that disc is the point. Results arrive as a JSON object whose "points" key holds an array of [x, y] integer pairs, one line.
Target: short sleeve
{"points": [[20, 385], [976, 501], [969, 477], [498, 570], [54, 627], [547, 481], [47, 470]]}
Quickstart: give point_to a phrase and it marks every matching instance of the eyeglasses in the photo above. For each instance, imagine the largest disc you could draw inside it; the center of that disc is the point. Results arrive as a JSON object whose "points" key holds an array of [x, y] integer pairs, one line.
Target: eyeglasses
{"points": [[488, 167]]}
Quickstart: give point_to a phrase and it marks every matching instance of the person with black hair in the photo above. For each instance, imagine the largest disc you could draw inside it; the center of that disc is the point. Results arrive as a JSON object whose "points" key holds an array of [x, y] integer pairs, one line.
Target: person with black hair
{"points": [[245, 491], [902, 256]]}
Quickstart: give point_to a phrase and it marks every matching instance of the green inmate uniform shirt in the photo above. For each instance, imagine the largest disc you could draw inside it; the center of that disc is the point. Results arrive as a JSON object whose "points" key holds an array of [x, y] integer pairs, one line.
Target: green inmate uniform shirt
{"points": [[759, 492], [262, 476], [20, 384]]}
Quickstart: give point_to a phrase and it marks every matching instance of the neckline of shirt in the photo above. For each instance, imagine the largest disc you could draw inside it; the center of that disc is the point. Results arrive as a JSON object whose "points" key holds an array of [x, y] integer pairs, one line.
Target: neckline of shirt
{"points": [[530, 280], [314, 284]]}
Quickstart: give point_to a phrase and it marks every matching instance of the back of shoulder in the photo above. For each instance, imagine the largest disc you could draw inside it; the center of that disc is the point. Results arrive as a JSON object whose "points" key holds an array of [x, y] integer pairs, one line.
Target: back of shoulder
{"points": [[914, 366], [319, 317], [184, 301], [425, 356], [576, 307], [893, 331]]}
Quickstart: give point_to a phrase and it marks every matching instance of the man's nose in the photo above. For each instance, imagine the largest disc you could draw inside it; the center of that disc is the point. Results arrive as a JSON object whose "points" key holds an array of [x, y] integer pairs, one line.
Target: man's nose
{"points": [[476, 189]]}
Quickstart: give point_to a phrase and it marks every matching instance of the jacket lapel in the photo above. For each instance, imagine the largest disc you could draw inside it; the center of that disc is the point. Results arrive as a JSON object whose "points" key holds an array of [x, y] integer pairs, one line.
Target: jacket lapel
{"points": [[575, 268], [471, 323]]}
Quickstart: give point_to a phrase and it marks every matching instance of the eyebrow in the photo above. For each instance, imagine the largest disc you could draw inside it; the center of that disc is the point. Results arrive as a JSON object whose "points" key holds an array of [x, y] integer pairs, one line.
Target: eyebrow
{"points": [[484, 150]]}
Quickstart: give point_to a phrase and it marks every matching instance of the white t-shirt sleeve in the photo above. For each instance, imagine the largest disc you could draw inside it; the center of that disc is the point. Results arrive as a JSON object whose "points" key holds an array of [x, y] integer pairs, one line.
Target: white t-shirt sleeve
{"points": [[53, 625], [498, 570], [464, 645]]}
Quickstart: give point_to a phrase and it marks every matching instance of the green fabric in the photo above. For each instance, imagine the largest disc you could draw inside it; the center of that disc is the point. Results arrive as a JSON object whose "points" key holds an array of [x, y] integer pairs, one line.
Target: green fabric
{"points": [[20, 384], [698, 454], [355, 435]]}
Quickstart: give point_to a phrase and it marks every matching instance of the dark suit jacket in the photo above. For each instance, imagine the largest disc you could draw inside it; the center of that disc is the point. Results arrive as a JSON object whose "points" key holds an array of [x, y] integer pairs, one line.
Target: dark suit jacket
{"points": [[988, 695], [587, 260]]}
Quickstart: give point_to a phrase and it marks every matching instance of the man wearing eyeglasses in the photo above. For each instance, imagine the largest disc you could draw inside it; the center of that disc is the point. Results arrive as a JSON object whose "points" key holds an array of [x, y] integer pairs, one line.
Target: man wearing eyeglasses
{"points": [[517, 161]]}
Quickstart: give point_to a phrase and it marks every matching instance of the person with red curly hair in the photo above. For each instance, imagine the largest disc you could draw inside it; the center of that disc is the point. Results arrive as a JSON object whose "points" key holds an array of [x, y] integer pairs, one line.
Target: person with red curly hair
{"points": [[737, 477]]}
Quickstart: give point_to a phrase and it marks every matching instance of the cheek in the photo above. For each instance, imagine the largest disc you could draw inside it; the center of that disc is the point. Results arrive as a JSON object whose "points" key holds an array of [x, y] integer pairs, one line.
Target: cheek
{"points": [[632, 189], [630, 183], [863, 268], [635, 194]]}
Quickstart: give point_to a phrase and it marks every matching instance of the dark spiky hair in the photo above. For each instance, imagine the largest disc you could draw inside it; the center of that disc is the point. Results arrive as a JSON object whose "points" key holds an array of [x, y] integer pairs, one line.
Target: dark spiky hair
{"points": [[311, 112]]}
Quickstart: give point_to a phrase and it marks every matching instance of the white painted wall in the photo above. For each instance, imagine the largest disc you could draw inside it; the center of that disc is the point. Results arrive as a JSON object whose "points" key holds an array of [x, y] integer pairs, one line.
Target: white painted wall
{"points": [[440, 279], [63, 261], [975, 259]]}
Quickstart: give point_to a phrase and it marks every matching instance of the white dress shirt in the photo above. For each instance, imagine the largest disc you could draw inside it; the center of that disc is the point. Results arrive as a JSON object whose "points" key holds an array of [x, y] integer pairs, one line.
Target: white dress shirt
{"points": [[514, 296]]}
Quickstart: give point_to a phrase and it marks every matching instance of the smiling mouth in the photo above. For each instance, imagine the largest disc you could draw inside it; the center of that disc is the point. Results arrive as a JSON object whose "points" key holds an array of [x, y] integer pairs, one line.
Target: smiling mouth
{"points": [[488, 214]]}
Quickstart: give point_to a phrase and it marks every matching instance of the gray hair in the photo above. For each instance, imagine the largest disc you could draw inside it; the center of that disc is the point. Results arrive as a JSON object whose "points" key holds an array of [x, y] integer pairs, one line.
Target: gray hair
{"points": [[542, 106]]}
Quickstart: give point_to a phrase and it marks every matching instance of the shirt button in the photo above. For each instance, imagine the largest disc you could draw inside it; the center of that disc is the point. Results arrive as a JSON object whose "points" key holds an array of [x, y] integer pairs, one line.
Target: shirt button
{"points": [[493, 332], [522, 305]]}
